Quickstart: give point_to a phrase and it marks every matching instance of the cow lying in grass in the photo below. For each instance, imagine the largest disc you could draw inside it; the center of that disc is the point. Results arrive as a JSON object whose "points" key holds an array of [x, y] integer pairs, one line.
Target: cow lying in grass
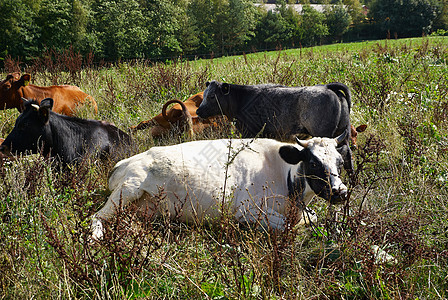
{"points": [[39, 130], [180, 118], [257, 183], [66, 97]]}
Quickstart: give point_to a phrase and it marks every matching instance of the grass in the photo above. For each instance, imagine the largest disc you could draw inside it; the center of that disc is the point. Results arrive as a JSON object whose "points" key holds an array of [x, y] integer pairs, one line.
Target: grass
{"points": [[399, 201]]}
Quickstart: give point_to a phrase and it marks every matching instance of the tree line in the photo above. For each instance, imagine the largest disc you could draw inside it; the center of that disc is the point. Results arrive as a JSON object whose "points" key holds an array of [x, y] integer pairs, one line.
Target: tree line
{"points": [[155, 29]]}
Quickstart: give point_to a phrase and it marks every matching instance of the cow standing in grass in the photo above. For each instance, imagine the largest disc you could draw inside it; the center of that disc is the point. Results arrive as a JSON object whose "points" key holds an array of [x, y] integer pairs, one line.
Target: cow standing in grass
{"points": [[282, 112], [256, 180], [66, 98], [39, 130]]}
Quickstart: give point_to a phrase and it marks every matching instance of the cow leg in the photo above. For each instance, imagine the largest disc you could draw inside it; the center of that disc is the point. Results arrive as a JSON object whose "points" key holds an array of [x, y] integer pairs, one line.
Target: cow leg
{"points": [[266, 217], [121, 196]]}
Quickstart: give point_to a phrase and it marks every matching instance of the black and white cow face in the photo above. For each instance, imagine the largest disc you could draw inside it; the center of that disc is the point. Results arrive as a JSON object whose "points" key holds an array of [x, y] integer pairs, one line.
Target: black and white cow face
{"points": [[216, 100], [320, 167], [30, 130]]}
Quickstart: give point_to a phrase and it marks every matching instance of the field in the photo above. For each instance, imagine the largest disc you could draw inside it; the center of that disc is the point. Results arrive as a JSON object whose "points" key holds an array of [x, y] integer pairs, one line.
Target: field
{"points": [[397, 204]]}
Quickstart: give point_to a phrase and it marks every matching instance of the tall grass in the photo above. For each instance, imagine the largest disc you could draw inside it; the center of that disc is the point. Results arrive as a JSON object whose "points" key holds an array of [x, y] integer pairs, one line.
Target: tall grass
{"points": [[398, 201]]}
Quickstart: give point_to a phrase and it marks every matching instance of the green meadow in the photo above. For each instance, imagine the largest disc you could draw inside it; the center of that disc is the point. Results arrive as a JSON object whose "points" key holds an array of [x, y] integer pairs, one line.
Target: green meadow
{"points": [[389, 241]]}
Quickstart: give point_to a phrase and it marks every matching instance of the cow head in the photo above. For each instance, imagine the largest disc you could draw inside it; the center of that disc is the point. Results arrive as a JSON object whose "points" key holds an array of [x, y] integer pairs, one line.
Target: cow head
{"points": [[320, 167], [31, 130], [9, 90], [216, 100]]}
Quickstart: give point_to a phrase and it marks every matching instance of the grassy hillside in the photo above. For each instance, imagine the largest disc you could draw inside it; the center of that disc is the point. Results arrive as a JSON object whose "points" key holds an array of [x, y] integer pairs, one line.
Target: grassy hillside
{"points": [[398, 202]]}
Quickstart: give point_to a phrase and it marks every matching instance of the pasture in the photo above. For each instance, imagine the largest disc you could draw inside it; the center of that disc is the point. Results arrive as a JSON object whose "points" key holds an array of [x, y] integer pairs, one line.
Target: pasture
{"points": [[398, 203]]}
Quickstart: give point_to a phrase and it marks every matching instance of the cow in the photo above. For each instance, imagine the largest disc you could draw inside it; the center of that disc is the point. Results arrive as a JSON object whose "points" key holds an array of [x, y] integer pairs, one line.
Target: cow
{"points": [[282, 112], [257, 179], [68, 139], [354, 134], [177, 118], [66, 97]]}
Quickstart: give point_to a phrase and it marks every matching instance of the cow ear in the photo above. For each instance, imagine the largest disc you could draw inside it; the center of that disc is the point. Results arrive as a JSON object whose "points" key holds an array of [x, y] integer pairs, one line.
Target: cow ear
{"points": [[47, 103], [291, 154], [361, 128], [25, 79], [207, 84], [44, 110], [225, 88]]}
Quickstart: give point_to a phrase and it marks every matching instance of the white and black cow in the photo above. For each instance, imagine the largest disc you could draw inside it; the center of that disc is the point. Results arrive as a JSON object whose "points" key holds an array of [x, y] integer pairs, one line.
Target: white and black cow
{"points": [[282, 112], [39, 130], [257, 182]]}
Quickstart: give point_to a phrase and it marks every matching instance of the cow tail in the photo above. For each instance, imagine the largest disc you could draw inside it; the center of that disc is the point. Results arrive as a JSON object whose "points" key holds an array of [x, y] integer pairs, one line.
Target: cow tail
{"points": [[341, 90], [186, 120]]}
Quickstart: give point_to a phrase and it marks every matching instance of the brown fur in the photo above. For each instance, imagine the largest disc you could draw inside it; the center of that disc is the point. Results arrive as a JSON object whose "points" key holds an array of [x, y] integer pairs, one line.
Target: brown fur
{"points": [[354, 133], [162, 123]]}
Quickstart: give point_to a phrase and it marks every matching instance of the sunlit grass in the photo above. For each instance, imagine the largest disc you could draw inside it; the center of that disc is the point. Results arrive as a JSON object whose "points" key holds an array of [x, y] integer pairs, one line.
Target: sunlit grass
{"points": [[399, 89]]}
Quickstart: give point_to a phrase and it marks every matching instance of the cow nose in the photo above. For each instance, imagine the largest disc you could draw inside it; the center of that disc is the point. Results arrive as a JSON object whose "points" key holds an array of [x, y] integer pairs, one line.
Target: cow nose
{"points": [[340, 191], [338, 194]]}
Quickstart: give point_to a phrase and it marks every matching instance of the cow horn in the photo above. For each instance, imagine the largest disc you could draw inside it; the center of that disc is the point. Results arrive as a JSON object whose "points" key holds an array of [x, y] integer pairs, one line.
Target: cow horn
{"points": [[303, 143], [341, 138], [35, 106]]}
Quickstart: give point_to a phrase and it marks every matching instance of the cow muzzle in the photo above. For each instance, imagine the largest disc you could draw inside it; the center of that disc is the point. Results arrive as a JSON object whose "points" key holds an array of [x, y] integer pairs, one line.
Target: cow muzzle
{"points": [[338, 195]]}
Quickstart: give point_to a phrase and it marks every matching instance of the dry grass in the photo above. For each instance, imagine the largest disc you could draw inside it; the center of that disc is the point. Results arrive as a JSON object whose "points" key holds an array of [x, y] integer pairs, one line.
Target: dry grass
{"points": [[398, 201]]}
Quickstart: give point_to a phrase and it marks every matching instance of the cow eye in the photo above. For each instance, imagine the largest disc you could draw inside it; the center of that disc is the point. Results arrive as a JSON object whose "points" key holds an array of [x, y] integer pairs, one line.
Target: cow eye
{"points": [[313, 165]]}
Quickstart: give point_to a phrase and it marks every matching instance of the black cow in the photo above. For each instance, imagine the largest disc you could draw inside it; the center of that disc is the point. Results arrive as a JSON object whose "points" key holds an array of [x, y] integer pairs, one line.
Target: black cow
{"points": [[282, 112], [68, 139]]}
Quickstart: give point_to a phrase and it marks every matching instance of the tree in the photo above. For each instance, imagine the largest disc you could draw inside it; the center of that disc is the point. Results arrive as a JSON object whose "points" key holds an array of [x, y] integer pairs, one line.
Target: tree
{"points": [[278, 28], [18, 32], [355, 10], [338, 21], [54, 21], [239, 24], [441, 21], [78, 25], [162, 18], [119, 29], [403, 18], [223, 25], [312, 27]]}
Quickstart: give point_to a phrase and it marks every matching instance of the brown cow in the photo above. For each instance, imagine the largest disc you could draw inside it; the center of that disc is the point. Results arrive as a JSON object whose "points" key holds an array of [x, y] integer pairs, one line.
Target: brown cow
{"points": [[66, 97], [178, 116]]}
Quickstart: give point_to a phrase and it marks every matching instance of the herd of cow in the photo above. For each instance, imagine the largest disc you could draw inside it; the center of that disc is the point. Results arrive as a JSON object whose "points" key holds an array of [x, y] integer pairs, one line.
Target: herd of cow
{"points": [[256, 177]]}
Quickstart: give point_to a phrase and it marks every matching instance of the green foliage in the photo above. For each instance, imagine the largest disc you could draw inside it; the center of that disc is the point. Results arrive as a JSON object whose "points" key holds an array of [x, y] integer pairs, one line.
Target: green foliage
{"points": [[120, 28], [278, 28], [404, 18], [18, 29], [441, 21], [223, 25], [163, 26], [54, 21], [160, 29], [338, 21], [312, 27]]}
